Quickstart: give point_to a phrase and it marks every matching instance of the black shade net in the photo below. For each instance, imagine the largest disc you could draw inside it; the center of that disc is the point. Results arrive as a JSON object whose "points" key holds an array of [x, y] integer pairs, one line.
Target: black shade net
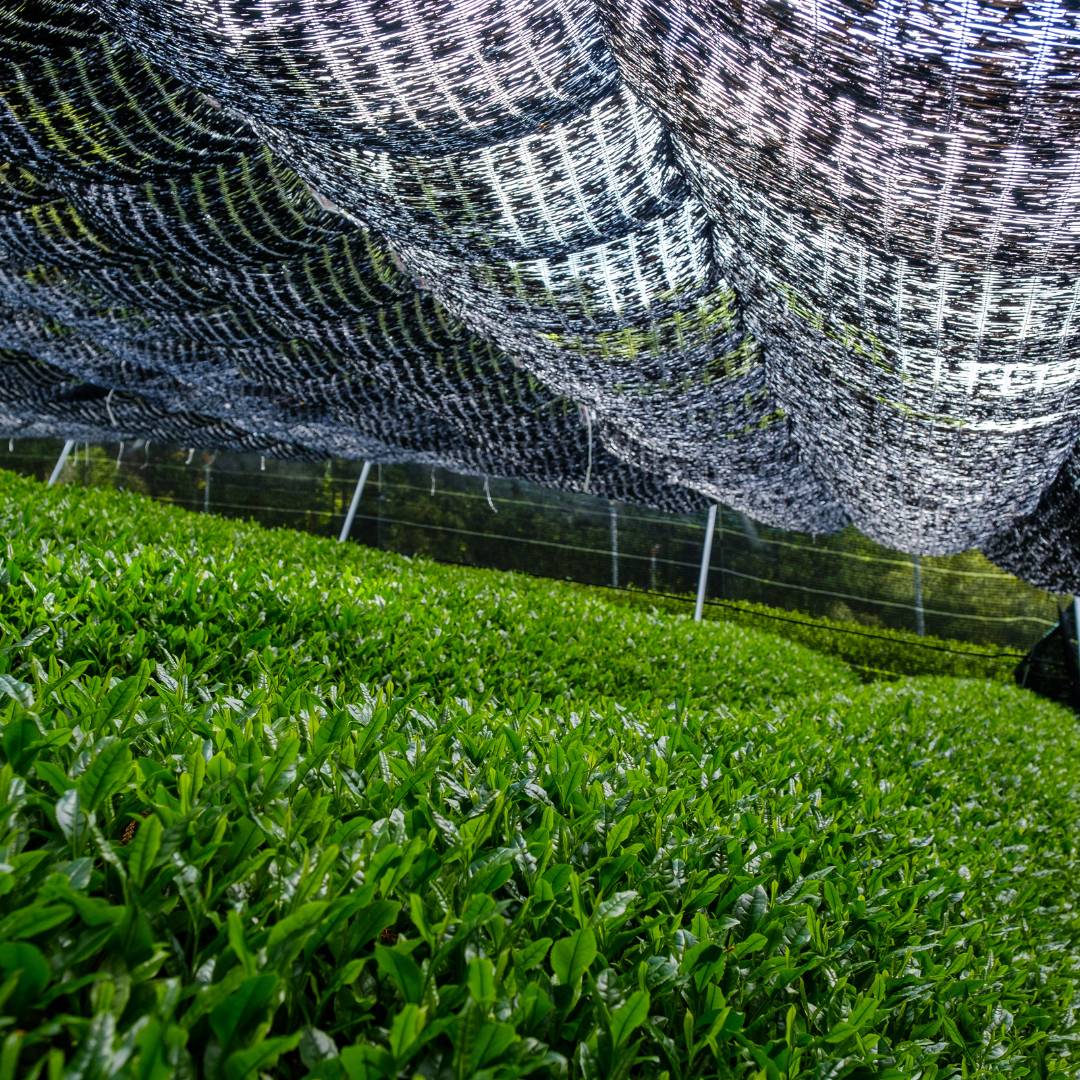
{"points": [[817, 261]]}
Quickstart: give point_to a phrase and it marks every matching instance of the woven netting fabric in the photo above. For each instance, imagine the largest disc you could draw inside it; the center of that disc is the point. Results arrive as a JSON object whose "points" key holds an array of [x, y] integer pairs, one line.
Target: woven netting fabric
{"points": [[162, 275], [817, 260], [1045, 544]]}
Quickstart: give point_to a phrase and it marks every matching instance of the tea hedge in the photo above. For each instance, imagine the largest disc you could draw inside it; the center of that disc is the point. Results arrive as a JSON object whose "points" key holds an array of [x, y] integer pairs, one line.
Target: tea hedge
{"points": [[874, 653], [116, 579], [222, 856]]}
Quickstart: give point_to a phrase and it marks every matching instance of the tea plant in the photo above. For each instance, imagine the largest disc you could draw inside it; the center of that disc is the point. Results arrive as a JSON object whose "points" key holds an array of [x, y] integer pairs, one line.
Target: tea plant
{"points": [[117, 579], [222, 855]]}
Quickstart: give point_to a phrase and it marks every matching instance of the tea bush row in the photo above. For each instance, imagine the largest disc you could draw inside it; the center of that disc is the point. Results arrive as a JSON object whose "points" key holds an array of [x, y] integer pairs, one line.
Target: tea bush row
{"points": [[258, 817]]}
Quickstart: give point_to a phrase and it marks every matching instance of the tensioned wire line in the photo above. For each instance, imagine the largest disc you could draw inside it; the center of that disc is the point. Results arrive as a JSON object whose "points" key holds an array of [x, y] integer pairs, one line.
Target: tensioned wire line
{"points": [[650, 592], [626, 515], [874, 601], [974, 654], [857, 633], [770, 582], [432, 526], [731, 605], [600, 511], [696, 526], [268, 479], [883, 603], [674, 523]]}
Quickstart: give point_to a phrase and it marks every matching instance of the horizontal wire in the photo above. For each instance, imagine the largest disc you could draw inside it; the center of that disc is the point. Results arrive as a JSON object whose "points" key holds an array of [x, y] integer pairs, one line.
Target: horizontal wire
{"points": [[672, 522], [975, 653], [606, 552]]}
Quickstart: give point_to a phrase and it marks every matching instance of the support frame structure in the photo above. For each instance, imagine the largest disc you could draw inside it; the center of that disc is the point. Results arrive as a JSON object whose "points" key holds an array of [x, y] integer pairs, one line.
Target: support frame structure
{"points": [[706, 555], [358, 492]]}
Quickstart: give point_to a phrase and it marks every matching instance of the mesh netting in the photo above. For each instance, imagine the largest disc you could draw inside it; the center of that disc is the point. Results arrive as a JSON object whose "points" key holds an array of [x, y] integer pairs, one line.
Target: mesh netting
{"points": [[814, 260], [1045, 544]]}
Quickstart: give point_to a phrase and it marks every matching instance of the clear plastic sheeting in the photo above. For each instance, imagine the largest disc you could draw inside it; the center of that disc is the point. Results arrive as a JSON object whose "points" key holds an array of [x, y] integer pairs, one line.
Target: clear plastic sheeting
{"points": [[815, 261]]}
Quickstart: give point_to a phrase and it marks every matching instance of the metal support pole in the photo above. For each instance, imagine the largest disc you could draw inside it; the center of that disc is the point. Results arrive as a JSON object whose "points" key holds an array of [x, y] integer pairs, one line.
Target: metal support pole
{"points": [[706, 555], [58, 467], [351, 515], [614, 545], [379, 508], [206, 486], [719, 590], [920, 619]]}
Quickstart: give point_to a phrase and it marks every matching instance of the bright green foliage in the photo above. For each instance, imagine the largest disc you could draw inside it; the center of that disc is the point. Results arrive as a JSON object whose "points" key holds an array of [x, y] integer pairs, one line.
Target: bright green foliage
{"points": [[874, 652], [117, 579], [241, 862]]}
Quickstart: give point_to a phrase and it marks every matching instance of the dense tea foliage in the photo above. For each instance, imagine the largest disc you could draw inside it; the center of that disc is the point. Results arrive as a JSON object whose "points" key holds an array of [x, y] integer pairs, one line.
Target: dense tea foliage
{"points": [[117, 579], [275, 806]]}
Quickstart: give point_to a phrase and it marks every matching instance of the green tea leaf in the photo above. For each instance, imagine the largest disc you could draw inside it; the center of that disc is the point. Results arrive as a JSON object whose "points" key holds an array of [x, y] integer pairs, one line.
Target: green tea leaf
{"points": [[21, 739], [246, 1006], [316, 1046], [402, 970], [28, 922], [532, 953], [490, 1043], [571, 956], [481, 980], [107, 772], [245, 1064], [71, 817], [405, 1031], [35, 635], [629, 1016], [144, 848], [295, 928], [120, 703], [28, 965], [19, 691]]}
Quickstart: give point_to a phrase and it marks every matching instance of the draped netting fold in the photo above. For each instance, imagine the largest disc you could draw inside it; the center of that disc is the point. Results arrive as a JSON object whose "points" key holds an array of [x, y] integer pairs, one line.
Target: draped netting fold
{"points": [[895, 191], [1044, 546], [818, 260]]}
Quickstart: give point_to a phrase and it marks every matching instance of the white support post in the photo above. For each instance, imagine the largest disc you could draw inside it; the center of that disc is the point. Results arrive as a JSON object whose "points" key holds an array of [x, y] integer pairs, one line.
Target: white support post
{"points": [[920, 618], [614, 545], [59, 466], [206, 486], [351, 515], [706, 555]]}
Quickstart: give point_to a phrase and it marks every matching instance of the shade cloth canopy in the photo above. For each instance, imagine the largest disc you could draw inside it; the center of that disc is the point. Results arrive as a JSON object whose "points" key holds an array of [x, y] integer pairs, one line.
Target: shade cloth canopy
{"points": [[816, 259]]}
